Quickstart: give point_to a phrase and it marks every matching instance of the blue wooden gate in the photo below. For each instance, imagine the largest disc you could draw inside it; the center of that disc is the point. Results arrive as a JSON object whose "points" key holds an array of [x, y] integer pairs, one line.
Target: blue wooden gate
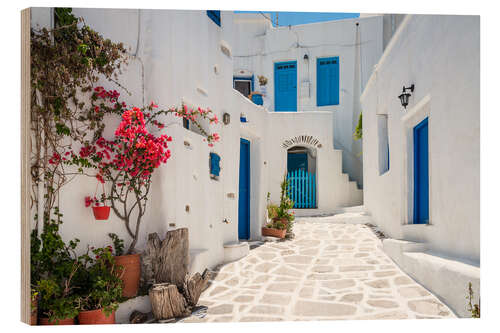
{"points": [[285, 86], [421, 173], [302, 188]]}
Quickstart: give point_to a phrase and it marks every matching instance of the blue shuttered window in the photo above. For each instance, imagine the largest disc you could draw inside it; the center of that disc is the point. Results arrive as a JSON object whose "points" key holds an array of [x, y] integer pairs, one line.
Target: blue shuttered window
{"points": [[214, 16], [214, 165], [327, 85]]}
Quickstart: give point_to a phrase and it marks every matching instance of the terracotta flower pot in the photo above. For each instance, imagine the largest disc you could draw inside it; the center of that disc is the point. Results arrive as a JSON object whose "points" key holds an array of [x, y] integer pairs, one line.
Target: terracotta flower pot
{"points": [[283, 220], [95, 317], [131, 273], [101, 212], [273, 232], [34, 312], [67, 321]]}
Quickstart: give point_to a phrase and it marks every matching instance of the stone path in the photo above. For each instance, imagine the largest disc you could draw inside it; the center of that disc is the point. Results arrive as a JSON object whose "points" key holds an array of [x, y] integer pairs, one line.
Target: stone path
{"points": [[329, 271]]}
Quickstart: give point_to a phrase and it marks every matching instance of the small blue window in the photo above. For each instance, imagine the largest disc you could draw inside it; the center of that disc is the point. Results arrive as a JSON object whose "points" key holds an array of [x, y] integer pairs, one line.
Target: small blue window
{"points": [[214, 165], [185, 123], [214, 16]]}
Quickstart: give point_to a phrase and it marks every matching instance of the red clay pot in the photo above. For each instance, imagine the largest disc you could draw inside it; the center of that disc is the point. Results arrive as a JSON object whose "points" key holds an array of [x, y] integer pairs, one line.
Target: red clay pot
{"points": [[95, 317], [131, 273], [101, 212], [273, 232], [67, 321]]}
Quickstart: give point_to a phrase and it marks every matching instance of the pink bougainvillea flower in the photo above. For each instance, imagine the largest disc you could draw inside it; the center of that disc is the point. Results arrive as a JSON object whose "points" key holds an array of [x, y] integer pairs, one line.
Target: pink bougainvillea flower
{"points": [[88, 201]]}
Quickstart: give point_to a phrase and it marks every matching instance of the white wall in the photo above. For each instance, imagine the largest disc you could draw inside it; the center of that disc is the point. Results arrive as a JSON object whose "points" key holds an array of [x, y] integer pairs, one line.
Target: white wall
{"points": [[177, 57], [440, 55], [259, 46]]}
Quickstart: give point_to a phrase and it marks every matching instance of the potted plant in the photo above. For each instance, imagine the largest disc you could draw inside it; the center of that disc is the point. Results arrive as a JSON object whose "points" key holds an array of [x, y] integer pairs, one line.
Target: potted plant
{"points": [[34, 307], [262, 84], [274, 229], [57, 304], [56, 268], [100, 288], [128, 267], [99, 207], [281, 220]]}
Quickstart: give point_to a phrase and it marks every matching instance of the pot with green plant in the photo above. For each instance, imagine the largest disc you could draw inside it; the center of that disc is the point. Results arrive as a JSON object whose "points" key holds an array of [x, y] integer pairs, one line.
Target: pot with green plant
{"points": [[280, 219], [34, 307], [100, 288], [262, 84], [128, 267], [274, 229], [55, 270], [58, 305], [99, 208]]}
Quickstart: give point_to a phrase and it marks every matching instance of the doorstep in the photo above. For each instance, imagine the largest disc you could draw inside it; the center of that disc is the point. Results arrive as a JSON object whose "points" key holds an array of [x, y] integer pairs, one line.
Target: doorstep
{"points": [[447, 278]]}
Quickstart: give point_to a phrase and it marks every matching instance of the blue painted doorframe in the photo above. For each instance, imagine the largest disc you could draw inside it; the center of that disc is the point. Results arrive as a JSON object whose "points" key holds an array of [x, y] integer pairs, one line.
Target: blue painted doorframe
{"points": [[285, 86], [244, 191], [421, 173]]}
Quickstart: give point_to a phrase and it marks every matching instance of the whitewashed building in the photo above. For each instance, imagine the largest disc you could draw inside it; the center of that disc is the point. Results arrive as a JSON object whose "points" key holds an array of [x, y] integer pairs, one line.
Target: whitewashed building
{"points": [[332, 62], [320, 77], [191, 57], [421, 163]]}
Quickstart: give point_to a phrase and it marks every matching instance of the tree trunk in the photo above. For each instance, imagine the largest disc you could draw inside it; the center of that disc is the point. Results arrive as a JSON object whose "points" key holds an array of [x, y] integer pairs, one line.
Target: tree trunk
{"points": [[193, 287], [167, 302], [165, 267], [167, 260]]}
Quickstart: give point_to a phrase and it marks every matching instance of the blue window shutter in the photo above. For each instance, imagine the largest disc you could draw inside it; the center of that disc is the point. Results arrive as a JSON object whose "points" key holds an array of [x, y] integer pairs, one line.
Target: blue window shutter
{"points": [[214, 164], [214, 16], [327, 81]]}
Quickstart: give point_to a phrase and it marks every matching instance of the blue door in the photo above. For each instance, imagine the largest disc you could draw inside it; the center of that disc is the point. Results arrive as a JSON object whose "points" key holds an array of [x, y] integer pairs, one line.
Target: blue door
{"points": [[297, 161], [327, 76], [244, 191], [421, 173], [285, 86]]}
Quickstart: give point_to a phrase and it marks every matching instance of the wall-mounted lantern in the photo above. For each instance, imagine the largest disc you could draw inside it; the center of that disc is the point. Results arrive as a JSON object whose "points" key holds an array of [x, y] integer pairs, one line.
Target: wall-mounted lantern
{"points": [[226, 118], [306, 57], [405, 96]]}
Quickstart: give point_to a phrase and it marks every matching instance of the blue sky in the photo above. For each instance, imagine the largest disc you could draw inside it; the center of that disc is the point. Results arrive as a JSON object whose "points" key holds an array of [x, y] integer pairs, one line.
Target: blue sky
{"points": [[294, 18]]}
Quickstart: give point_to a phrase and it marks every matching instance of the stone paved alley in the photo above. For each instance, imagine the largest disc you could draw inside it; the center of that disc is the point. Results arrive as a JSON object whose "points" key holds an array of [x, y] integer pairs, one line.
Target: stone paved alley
{"points": [[329, 271]]}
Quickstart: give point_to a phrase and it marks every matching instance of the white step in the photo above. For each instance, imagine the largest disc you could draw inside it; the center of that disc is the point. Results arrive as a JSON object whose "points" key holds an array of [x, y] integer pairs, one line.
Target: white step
{"points": [[235, 250]]}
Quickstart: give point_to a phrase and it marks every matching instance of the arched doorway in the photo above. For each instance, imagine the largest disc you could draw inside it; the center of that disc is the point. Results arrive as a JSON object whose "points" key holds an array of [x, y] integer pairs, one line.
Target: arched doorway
{"points": [[301, 174]]}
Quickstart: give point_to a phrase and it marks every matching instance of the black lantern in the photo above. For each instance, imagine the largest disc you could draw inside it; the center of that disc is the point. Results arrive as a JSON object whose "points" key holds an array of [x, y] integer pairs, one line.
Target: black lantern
{"points": [[226, 118], [405, 96]]}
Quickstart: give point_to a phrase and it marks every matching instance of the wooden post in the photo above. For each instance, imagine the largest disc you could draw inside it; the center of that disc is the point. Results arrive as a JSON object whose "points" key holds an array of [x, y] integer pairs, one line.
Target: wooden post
{"points": [[167, 302], [173, 291]]}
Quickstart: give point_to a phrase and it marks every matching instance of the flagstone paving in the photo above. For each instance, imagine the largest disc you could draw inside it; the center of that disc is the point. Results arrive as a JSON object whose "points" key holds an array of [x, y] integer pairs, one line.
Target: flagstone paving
{"points": [[329, 271]]}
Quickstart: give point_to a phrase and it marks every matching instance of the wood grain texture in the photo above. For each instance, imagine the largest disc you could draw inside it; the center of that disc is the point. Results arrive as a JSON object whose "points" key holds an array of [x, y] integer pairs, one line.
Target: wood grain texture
{"points": [[165, 267], [167, 260], [25, 174], [167, 302]]}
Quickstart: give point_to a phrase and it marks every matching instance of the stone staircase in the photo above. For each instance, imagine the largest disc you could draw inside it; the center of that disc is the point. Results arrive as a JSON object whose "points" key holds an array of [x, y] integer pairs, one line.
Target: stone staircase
{"points": [[351, 195]]}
